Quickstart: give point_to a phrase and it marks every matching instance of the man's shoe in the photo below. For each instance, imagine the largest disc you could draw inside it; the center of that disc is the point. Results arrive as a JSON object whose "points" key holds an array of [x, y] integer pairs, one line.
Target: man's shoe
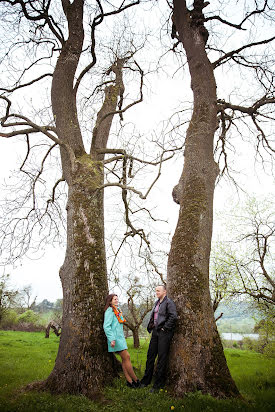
{"points": [[136, 384], [130, 385]]}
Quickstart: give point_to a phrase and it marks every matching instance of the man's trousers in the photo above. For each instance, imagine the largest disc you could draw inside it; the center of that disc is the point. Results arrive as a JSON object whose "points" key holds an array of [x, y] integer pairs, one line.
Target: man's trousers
{"points": [[159, 346]]}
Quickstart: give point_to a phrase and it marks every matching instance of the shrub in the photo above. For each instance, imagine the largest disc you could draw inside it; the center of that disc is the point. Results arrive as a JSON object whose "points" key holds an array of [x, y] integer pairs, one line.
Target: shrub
{"points": [[29, 322], [265, 346], [28, 317], [9, 319], [230, 344], [269, 350], [249, 344]]}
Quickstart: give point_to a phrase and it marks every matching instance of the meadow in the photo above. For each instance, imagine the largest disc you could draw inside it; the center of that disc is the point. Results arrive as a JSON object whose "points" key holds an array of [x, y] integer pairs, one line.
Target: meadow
{"points": [[26, 357]]}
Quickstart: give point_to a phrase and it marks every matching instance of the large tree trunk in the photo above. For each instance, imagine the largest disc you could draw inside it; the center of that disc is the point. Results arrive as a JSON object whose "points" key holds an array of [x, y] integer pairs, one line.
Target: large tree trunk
{"points": [[197, 360], [83, 364]]}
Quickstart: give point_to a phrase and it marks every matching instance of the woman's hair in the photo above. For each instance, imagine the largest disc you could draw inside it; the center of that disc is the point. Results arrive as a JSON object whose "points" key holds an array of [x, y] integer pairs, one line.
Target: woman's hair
{"points": [[109, 301]]}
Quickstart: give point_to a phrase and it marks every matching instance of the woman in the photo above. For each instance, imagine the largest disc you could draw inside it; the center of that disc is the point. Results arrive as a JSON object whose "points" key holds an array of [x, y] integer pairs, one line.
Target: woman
{"points": [[113, 328]]}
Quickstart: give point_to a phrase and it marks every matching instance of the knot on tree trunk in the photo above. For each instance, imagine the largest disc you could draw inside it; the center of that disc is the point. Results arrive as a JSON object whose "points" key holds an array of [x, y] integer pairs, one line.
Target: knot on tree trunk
{"points": [[176, 193], [197, 19]]}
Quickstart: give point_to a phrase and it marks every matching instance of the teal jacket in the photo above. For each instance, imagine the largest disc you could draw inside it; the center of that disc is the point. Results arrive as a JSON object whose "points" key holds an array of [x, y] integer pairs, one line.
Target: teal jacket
{"points": [[114, 331]]}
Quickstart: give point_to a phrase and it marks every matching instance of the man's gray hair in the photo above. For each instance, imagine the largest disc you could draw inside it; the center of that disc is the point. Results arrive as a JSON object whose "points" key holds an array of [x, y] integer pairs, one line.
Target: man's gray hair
{"points": [[163, 286]]}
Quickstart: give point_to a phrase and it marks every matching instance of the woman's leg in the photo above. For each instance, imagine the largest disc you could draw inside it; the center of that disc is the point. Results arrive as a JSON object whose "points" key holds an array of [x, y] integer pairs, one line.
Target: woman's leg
{"points": [[127, 366]]}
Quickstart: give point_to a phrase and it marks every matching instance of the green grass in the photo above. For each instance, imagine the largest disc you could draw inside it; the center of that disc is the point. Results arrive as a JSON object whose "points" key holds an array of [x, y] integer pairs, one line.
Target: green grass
{"points": [[27, 357]]}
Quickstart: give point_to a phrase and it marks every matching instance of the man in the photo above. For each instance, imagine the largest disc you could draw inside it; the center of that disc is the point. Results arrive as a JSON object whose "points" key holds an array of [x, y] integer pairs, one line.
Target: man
{"points": [[162, 324]]}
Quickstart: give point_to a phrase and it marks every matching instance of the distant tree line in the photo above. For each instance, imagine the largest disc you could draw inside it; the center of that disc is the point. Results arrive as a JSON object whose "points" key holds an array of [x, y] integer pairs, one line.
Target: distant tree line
{"points": [[19, 310]]}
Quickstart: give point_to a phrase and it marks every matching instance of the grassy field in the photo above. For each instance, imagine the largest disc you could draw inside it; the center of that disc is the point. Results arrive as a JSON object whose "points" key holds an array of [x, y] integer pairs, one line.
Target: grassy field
{"points": [[27, 357]]}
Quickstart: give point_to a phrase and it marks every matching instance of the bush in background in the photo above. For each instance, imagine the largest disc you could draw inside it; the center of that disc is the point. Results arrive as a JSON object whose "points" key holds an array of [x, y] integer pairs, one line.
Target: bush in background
{"points": [[266, 330], [25, 322], [232, 344], [9, 319], [269, 350], [250, 344], [29, 321], [28, 317], [261, 345]]}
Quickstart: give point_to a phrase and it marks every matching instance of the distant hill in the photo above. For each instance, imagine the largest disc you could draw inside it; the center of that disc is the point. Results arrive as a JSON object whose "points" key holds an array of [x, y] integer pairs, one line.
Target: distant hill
{"points": [[237, 317], [236, 310]]}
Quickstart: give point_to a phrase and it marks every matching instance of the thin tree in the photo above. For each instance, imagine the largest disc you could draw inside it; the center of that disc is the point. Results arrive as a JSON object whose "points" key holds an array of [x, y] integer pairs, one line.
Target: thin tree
{"points": [[8, 296], [197, 361], [139, 303], [26, 299], [220, 275]]}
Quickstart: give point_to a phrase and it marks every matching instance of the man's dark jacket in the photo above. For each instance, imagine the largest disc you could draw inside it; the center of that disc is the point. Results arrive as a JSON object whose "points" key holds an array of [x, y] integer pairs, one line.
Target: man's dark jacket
{"points": [[167, 316]]}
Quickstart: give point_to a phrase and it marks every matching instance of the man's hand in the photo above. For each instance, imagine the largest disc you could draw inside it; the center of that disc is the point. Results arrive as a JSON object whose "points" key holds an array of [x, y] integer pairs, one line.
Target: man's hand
{"points": [[113, 343]]}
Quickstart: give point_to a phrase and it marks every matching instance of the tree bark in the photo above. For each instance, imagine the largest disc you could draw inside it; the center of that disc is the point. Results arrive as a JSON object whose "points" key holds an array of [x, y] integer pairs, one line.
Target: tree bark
{"points": [[197, 361], [136, 338], [126, 330], [83, 364]]}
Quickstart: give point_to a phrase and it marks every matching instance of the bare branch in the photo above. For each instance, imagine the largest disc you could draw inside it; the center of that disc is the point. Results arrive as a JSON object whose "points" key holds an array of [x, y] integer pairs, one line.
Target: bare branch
{"points": [[96, 21], [42, 14], [217, 318], [263, 101], [229, 55], [51, 200], [247, 17], [20, 86], [34, 128]]}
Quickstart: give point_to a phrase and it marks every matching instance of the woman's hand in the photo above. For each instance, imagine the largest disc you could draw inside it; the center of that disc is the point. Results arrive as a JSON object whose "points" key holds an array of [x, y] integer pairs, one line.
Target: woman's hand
{"points": [[113, 343]]}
